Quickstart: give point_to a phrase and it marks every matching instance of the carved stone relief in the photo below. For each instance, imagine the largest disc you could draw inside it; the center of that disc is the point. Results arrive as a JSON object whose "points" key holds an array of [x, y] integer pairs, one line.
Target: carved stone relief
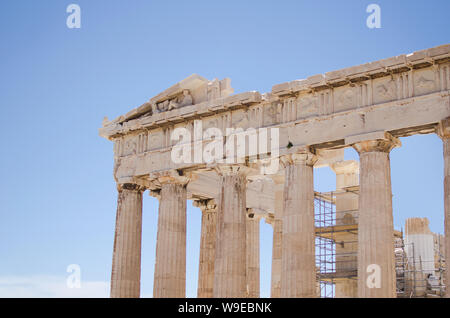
{"points": [[272, 114], [129, 146], [424, 82], [182, 100], [213, 89], [345, 98], [241, 119], [385, 90], [307, 106], [155, 139]]}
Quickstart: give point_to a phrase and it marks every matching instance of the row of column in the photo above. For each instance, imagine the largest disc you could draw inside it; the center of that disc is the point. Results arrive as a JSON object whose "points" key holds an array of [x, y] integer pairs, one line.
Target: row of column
{"points": [[208, 251], [227, 267], [229, 253], [375, 229]]}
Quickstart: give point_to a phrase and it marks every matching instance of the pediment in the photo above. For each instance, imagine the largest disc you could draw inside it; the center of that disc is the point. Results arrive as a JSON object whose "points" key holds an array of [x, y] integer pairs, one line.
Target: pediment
{"points": [[192, 90], [191, 83]]}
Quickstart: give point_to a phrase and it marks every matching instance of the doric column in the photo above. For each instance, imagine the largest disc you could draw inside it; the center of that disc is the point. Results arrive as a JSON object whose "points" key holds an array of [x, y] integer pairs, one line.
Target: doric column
{"points": [[207, 248], [230, 264], [376, 261], [444, 133], [126, 263], [298, 274], [252, 229], [347, 183], [277, 225], [170, 262]]}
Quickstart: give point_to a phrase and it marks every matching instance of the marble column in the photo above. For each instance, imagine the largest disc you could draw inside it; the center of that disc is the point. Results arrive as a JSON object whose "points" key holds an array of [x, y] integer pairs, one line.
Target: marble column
{"points": [[252, 229], [376, 261], [298, 271], [170, 262], [347, 182], [207, 248], [126, 263], [230, 263], [444, 133], [277, 225]]}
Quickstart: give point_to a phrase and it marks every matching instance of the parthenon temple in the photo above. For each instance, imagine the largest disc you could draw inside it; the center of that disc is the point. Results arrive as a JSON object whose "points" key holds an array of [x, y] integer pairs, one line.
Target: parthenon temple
{"points": [[340, 243]]}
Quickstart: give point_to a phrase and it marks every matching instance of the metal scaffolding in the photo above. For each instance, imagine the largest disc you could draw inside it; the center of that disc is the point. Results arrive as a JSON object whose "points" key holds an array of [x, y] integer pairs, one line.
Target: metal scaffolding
{"points": [[413, 280], [325, 246], [336, 244], [336, 254]]}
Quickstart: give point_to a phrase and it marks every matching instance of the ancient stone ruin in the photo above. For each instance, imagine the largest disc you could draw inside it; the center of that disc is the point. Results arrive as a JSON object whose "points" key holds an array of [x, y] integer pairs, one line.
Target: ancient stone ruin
{"points": [[311, 121]]}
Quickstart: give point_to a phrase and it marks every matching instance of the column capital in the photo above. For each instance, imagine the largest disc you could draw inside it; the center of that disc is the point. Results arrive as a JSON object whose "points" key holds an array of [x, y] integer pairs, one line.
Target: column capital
{"points": [[169, 177], [308, 158], [347, 173], [443, 128], [252, 214], [346, 166], [130, 186], [155, 193], [270, 219], [232, 169], [207, 205], [379, 141]]}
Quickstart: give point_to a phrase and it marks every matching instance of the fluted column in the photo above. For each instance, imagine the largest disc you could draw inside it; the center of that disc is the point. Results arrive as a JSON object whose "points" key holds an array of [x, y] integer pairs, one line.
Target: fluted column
{"points": [[298, 274], [277, 225], [376, 261], [207, 248], [252, 229], [170, 262], [126, 263], [347, 178], [275, 290], [444, 133], [230, 264]]}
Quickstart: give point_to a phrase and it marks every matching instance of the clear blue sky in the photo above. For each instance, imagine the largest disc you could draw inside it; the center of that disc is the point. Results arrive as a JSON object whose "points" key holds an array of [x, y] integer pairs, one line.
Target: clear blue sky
{"points": [[57, 195]]}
